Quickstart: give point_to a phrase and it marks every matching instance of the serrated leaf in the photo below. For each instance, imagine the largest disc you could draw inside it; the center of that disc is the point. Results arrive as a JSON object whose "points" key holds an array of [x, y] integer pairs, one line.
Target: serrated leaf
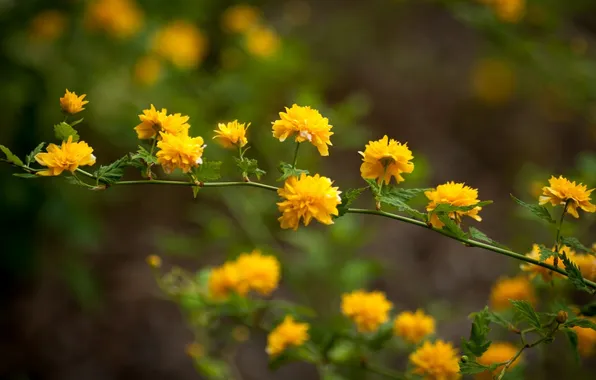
{"points": [[452, 228], [392, 199], [11, 156], [288, 171], [347, 198], [64, 130], [31, 156], [375, 188], [499, 320], [478, 342], [574, 243], [537, 210], [527, 313], [25, 175], [471, 367], [573, 341], [581, 322], [574, 275], [249, 166], [447, 208], [546, 253], [208, 171], [144, 155], [72, 180], [476, 234], [111, 173], [403, 194]]}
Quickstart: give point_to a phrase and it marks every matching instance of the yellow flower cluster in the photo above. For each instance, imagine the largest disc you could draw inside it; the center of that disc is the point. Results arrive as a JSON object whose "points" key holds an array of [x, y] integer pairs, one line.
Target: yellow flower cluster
{"points": [[516, 288], [287, 334], [232, 134], [181, 43], [453, 194], [179, 152], [119, 18], [585, 262], [561, 191], [498, 352], [368, 310], [250, 271], [436, 360], [384, 159], [413, 327], [306, 124], [69, 156], [154, 121], [240, 18]]}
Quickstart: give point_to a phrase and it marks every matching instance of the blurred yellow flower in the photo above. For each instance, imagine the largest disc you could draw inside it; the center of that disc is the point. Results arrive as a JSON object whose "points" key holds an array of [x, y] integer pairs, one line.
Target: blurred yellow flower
{"points": [[368, 310], [226, 279], [384, 158], [154, 261], [147, 70], [232, 134], [436, 361], [262, 42], [545, 273], [287, 334], [509, 10], [561, 191], [195, 350], [71, 103], [413, 327], [48, 25], [586, 339], [119, 18], [69, 156], [153, 121], [179, 151], [182, 43], [493, 80], [240, 18], [516, 288], [587, 265], [498, 352], [259, 272], [454, 194], [307, 124], [306, 198]]}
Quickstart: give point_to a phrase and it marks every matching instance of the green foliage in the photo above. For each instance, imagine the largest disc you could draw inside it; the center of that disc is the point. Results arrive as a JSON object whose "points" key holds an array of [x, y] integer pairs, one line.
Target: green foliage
{"points": [[64, 130], [12, 158], [574, 243], [108, 174], [249, 167], [478, 342], [144, 155], [498, 319], [588, 310], [471, 367], [546, 253], [451, 227], [380, 338], [288, 171], [539, 211], [574, 275], [476, 234], [208, 171], [347, 198], [527, 313], [398, 198], [446, 208], [581, 322], [31, 156], [573, 341]]}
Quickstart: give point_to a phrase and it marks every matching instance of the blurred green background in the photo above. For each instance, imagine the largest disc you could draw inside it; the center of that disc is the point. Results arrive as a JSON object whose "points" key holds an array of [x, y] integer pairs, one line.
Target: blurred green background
{"points": [[500, 99]]}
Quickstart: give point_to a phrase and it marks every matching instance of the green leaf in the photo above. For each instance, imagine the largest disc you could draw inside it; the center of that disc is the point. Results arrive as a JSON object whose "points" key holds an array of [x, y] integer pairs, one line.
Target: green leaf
{"points": [[76, 122], [581, 322], [31, 156], [375, 188], [144, 155], [63, 130], [25, 175], [403, 194], [208, 171], [10, 156], [537, 210], [347, 198], [395, 200], [499, 320], [249, 167], [288, 171], [381, 337], [573, 341], [111, 173], [451, 227], [573, 274], [572, 242], [546, 253], [471, 367], [527, 313], [447, 208], [476, 234], [478, 342], [588, 310]]}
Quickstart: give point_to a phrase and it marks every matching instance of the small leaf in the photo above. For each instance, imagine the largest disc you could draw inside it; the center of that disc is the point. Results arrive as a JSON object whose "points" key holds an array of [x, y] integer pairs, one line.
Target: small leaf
{"points": [[394, 199], [451, 227], [64, 130], [471, 367], [10, 156], [208, 171], [76, 122], [403, 194], [288, 171], [574, 275], [527, 313], [546, 253], [478, 342], [195, 191], [581, 322], [111, 173], [144, 155], [381, 336], [573, 341], [31, 156], [249, 167], [25, 175], [499, 320], [476, 234], [347, 198], [537, 210], [572, 242], [375, 188], [447, 208]]}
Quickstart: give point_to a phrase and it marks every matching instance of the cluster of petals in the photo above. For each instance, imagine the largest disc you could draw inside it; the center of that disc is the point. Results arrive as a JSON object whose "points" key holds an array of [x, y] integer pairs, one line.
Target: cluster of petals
{"points": [[68, 156], [561, 191], [386, 159], [436, 360], [453, 194], [516, 288], [306, 124], [287, 334], [413, 326], [368, 310]]}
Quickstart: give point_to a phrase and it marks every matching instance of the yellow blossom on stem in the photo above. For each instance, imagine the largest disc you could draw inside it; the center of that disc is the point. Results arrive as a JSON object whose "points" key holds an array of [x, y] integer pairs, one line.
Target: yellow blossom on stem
{"points": [[120, 18], [413, 327], [232, 134], [259, 272], [147, 70], [453, 194], [69, 156], [226, 279], [368, 310], [516, 288], [587, 266], [71, 103], [306, 124], [240, 18], [498, 352], [545, 273], [154, 121], [306, 198], [384, 158], [561, 191], [262, 42], [179, 151], [586, 339], [48, 25], [436, 361], [182, 43], [287, 334]]}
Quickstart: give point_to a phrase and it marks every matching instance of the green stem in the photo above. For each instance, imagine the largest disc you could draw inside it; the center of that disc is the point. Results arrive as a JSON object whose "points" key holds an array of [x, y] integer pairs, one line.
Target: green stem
{"points": [[295, 160], [558, 236], [384, 372], [186, 183], [87, 174]]}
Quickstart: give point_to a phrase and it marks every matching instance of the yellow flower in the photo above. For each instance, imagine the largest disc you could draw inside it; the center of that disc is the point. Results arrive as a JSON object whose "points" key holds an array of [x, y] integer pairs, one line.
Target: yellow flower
{"points": [[436, 361], [147, 70], [509, 10], [262, 42], [413, 327], [232, 134], [154, 261], [48, 25], [225, 280], [561, 191], [259, 272], [516, 288], [493, 80], [454, 194], [181, 43], [69, 156], [71, 103], [368, 310], [498, 352], [586, 339], [240, 18], [587, 265], [305, 198], [287, 334], [384, 158], [545, 273], [120, 18], [153, 121], [179, 151], [307, 124]]}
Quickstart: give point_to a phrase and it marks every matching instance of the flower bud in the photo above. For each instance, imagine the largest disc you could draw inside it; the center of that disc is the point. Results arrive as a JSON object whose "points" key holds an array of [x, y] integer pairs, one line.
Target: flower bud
{"points": [[464, 359], [154, 261], [561, 316]]}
